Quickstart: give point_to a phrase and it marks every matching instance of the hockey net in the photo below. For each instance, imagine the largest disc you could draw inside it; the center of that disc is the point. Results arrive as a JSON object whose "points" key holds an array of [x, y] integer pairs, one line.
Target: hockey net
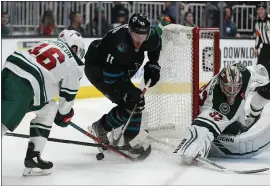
{"points": [[189, 58]]}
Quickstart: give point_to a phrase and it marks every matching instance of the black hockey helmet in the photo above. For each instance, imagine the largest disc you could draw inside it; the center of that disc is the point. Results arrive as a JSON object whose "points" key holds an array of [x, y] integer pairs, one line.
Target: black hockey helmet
{"points": [[261, 5], [139, 23]]}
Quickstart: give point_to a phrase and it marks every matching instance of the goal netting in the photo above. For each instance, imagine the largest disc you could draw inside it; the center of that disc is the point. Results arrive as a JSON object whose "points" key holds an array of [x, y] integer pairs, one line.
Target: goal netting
{"points": [[189, 58]]}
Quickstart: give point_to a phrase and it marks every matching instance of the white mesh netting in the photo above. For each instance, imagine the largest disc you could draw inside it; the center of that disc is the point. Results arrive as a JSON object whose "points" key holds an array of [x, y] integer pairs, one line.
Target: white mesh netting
{"points": [[169, 104]]}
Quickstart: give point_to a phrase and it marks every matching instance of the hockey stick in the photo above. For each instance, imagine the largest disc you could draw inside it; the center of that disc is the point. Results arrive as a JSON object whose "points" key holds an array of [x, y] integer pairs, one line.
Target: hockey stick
{"points": [[224, 169], [57, 140], [213, 164], [112, 148], [116, 141]]}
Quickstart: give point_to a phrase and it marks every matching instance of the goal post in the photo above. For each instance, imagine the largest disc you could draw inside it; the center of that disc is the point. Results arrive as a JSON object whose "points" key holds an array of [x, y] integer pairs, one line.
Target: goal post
{"points": [[189, 58], [203, 33]]}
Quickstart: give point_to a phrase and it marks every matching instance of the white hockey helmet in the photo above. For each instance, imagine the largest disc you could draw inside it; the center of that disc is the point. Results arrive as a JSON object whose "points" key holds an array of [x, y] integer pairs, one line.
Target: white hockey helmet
{"points": [[74, 40]]}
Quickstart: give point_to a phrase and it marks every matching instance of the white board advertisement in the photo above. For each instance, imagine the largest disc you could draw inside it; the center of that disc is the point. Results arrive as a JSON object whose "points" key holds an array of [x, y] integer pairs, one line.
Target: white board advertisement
{"points": [[233, 51]]}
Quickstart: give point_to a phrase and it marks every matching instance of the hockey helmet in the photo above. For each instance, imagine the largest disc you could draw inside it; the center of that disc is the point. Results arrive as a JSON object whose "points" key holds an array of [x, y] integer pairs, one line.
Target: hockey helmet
{"points": [[261, 5], [230, 81], [139, 23], [139, 27], [74, 40]]}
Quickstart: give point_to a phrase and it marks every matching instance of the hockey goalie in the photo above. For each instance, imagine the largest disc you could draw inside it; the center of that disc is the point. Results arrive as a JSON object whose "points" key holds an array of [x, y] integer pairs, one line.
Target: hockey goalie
{"points": [[222, 115]]}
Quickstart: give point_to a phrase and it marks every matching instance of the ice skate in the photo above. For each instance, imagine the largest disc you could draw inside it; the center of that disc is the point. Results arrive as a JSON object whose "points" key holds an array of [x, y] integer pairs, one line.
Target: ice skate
{"points": [[34, 165], [99, 131]]}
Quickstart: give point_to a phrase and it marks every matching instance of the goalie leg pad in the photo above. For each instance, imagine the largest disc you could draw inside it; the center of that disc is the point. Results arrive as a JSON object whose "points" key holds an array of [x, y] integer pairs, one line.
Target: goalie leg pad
{"points": [[196, 142], [245, 145]]}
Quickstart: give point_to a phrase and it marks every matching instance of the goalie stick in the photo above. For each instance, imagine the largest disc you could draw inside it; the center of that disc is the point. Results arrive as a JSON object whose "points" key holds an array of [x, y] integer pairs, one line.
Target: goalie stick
{"points": [[212, 163], [224, 169], [112, 148]]}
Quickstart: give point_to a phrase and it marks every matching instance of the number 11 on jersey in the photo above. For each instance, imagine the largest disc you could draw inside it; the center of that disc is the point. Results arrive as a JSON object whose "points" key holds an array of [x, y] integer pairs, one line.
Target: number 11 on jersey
{"points": [[109, 58]]}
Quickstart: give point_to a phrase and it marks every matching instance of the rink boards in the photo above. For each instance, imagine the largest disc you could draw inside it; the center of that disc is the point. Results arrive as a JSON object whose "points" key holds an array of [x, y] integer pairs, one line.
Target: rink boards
{"points": [[231, 51]]}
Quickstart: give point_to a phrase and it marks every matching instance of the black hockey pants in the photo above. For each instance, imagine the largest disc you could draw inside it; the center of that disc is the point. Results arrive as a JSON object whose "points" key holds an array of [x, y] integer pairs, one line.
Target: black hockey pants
{"points": [[118, 115]]}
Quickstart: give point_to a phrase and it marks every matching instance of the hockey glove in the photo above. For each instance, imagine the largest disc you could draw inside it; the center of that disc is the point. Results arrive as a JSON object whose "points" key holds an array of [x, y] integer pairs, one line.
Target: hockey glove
{"points": [[151, 71], [197, 142], [63, 120], [134, 98]]}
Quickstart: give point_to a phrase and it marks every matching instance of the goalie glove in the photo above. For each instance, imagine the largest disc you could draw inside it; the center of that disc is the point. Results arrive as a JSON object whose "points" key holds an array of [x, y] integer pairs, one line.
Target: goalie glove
{"points": [[197, 142]]}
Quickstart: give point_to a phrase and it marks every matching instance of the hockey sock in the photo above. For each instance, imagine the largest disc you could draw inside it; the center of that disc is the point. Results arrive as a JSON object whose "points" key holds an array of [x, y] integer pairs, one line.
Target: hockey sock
{"points": [[117, 118], [39, 134]]}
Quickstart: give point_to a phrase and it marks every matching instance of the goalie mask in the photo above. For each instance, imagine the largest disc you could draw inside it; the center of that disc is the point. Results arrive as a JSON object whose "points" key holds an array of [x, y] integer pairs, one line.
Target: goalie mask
{"points": [[74, 40], [230, 82]]}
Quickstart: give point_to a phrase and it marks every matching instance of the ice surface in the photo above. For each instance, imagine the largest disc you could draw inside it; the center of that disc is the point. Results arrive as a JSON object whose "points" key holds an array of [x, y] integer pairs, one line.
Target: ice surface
{"points": [[74, 164]]}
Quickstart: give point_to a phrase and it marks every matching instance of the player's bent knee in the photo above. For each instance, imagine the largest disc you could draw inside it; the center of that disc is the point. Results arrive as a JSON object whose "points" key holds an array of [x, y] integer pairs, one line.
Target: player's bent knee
{"points": [[40, 126], [46, 115], [264, 91], [258, 101]]}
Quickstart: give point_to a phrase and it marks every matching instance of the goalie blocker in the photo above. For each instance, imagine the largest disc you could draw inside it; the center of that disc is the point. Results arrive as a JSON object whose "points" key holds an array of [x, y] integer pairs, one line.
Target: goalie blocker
{"points": [[222, 103]]}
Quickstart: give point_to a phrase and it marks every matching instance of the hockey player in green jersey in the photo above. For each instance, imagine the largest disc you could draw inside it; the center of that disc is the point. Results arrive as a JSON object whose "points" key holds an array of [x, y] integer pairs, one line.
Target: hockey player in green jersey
{"points": [[30, 81], [222, 115]]}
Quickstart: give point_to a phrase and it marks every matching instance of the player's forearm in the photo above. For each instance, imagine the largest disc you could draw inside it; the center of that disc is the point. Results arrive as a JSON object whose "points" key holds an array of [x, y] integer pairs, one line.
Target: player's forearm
{"points": [[68, 90], [65, 106], [66, 99], [153, 56]]}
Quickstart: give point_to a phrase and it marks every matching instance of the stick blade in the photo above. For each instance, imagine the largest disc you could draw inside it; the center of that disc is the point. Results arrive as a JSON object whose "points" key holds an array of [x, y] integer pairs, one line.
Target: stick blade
{"points": [[251, 171], [145, 154]]}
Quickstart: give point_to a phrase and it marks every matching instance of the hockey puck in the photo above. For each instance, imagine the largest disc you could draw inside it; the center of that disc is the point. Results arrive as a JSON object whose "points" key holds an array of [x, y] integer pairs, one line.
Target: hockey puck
{"points": [[100, 156]]}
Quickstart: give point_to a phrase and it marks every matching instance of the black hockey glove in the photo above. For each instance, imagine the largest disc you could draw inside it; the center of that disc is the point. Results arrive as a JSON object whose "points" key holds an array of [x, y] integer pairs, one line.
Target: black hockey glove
{"points": [[132, 98], [63, 120], [235, 128], [151, 71]]}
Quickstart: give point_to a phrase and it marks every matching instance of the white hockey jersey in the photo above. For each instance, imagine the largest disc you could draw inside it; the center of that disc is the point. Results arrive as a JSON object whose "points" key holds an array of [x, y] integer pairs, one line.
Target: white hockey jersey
{"points": [[215, 112], [53, 69]]}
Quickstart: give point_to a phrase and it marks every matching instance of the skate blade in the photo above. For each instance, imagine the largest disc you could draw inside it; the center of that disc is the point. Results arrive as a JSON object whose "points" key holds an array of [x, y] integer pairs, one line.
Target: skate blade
{"points": [[36, 172]]}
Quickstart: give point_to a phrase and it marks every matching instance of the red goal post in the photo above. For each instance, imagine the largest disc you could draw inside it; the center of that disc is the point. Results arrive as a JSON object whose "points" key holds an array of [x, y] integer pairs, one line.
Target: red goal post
{"points": [[197, 33]]}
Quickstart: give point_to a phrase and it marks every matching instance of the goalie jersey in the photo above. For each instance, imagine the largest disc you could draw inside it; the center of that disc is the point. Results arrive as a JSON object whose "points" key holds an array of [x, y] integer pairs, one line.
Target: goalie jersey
{"points": [[215, 112], [50, 67]]}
